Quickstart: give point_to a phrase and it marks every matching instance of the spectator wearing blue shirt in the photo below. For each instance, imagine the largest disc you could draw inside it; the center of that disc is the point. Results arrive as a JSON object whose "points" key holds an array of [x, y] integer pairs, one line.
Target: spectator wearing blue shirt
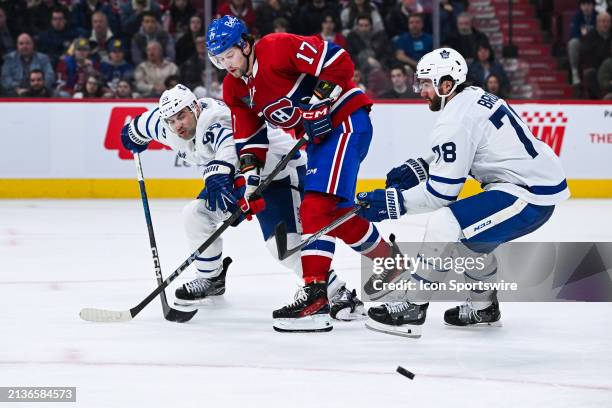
{"points": [[412, 45], [18, 64], [582, 24], [55, 41], [84, 10], [116, 68]]}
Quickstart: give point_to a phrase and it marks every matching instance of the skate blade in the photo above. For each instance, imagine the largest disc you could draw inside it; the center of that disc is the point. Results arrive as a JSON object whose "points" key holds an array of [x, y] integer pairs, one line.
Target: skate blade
{"points": [[313, 323], [476, 326], [346, 315], [406, 330], [204, 302]]}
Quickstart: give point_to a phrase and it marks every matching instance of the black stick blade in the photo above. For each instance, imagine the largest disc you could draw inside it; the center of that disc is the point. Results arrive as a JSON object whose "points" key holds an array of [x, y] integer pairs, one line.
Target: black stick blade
{"points": [[179, 316], [280, 235]]}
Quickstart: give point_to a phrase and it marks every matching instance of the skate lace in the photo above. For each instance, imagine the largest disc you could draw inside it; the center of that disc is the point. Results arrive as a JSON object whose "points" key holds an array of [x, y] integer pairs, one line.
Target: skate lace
{"points": [[198, 285], [397, 307], [467, 312], [300, 296]]}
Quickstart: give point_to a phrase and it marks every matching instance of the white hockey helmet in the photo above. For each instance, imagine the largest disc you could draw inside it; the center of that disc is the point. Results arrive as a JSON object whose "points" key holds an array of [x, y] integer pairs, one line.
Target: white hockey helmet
{"points": [[439, 63], [172, 101]]}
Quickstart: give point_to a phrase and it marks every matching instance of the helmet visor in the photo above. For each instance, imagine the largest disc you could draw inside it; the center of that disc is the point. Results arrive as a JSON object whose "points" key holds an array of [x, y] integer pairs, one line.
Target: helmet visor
{"points": [[215, 60], [227, 58], [421, 84], [180, 121]]}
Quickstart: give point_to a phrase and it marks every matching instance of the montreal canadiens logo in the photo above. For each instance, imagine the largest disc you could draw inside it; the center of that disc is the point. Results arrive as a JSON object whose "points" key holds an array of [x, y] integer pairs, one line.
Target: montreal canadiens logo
{"points": [[282, 113]]}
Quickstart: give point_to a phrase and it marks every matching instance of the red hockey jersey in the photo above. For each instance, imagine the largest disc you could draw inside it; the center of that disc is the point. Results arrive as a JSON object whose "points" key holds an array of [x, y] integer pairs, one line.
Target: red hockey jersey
{"points": [[285, 70]]}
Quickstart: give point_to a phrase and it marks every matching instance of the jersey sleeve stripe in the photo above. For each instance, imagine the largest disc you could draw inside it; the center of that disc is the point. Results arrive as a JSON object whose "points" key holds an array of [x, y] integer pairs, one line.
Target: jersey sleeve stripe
{"points": [[447, 180], [437, 194], [149, 121], [157, 132], [350, 93], [322, 59], [548, 190], [295, 87], [220, 143], [218, 138], [255, 146], [137, 130], [333, 57]]}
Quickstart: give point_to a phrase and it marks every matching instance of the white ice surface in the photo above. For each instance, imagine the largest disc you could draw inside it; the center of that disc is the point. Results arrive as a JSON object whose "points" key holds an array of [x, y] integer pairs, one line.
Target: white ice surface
{"points": [[57, 257]]}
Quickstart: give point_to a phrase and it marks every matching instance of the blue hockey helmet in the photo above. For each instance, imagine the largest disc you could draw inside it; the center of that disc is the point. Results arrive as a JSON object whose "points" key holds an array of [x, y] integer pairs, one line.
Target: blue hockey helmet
{"points": [[224, 33]]}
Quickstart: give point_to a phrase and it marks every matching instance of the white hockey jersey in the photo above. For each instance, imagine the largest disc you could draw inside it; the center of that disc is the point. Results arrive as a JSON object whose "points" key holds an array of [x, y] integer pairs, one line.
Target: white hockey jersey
{"points": [[213, 139], [480, 135]]}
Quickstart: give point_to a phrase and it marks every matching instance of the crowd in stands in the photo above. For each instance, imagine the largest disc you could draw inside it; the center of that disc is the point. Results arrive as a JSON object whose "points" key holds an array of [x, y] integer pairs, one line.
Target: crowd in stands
{"points": [[138, 48], [590, 49]]}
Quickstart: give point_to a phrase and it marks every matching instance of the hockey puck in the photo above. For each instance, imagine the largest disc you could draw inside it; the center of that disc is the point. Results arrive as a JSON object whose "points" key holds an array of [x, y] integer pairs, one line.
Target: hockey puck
{"points": [[405, 372]]}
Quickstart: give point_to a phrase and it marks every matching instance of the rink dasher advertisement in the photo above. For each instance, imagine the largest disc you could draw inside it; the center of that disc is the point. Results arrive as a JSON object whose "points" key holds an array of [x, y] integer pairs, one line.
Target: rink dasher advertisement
{"points": [[80, 141]]}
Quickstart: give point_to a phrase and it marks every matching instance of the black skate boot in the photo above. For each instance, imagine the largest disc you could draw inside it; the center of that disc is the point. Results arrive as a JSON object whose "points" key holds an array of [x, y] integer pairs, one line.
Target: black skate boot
{"points": [[467, 315], [308, 313], [195, 292], [373, 287], [400, 319], [345, 305]]}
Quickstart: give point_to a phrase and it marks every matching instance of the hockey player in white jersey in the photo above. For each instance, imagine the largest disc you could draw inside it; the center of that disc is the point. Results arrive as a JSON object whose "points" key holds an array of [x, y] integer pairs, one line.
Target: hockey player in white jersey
{"points": [[200, 131], [479, 135]]}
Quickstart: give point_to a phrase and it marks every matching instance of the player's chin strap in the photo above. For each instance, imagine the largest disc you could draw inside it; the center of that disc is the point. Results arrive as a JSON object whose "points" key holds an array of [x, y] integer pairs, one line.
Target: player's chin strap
{"points": [[248, 56], [443, 97]]}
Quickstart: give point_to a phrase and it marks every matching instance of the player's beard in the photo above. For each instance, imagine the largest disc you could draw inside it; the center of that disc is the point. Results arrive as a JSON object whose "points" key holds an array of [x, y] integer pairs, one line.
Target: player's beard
{"points": [[242, 70], [435, 104]]}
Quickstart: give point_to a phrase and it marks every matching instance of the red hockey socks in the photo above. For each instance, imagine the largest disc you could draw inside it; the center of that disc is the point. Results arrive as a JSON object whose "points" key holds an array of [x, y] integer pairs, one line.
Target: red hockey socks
{"points": [[317, 211]]}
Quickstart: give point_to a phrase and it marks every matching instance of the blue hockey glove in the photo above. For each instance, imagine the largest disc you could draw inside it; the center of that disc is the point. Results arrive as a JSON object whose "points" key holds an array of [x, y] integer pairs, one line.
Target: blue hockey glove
{"points": [[219, 191], [408, 175], [130, 142], [316, 119], [379, 205]]}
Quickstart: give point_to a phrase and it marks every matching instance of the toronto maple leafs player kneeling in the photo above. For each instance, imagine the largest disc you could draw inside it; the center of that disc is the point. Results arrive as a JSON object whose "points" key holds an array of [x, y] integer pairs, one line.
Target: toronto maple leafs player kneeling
{"points": [[480, 135], [200, 131]]}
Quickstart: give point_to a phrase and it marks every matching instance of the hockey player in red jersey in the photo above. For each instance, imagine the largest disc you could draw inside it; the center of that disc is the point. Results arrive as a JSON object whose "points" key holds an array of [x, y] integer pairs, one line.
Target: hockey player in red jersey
{"points": [[304, 84]]}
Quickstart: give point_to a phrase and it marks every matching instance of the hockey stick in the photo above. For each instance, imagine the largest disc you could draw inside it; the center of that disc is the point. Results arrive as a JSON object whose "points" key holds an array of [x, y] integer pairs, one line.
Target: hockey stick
{"points": [[103, 315], [170, 314], [280, 234]]}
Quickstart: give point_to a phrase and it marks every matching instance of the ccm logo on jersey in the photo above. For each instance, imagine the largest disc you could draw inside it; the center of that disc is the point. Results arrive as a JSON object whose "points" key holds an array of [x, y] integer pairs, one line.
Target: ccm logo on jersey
{"points": [[282, 113], [481, 226]]}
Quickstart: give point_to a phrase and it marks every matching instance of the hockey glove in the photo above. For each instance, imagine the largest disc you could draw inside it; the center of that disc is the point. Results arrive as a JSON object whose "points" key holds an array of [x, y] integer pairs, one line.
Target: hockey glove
{"points": [[246, 183], [130, 141], [218, 190], [408, 175], [381, 204], [316, 119]]}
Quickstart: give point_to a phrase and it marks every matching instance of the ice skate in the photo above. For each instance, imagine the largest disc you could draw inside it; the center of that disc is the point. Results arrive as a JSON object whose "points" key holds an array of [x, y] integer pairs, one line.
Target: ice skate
{"points": [[345, 305], [400, 319], [466, 315], [198, 291], [309, 312]]}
